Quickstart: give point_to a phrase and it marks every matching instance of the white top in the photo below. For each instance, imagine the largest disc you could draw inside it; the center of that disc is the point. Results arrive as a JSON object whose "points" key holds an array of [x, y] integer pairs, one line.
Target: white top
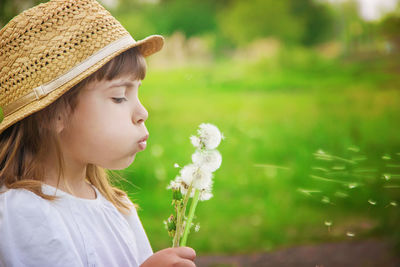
{"points": [[69, 231]]}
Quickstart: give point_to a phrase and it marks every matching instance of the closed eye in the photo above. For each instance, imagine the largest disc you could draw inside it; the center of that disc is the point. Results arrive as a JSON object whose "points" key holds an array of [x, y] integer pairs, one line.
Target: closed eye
{"points": [[119, 100]]}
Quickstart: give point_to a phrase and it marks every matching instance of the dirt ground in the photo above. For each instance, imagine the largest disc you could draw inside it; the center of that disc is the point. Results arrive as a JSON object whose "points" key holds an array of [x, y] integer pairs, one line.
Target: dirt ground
{"points": [[366, 253]]}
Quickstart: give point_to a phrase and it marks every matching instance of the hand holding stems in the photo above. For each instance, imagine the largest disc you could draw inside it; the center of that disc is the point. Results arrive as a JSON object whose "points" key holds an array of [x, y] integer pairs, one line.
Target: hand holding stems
{"points": [[169, 257]]}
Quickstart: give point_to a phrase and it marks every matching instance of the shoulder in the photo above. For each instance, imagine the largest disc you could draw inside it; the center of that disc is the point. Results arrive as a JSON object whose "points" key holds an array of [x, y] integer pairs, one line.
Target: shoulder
{"points": [[31, 232], [23, 203], [22, 210]]}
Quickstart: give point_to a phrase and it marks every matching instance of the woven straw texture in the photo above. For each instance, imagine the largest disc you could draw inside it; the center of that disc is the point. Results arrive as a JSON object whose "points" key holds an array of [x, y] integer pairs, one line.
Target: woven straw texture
{"points": [[48, 40]]}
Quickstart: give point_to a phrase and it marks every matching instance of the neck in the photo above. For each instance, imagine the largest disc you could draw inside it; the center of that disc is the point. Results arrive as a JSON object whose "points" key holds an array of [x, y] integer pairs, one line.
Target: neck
{"points": [[72, 178]]}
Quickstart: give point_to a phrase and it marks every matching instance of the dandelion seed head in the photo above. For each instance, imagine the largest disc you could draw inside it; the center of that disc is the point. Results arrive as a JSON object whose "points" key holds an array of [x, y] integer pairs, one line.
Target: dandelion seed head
{"points": [[200, 177], [208, 159], [209, 135], [205, 195]]}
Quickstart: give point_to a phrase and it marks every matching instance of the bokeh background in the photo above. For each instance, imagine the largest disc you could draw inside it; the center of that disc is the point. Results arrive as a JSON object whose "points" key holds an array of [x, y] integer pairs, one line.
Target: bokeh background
{"points": [[306, 93]]}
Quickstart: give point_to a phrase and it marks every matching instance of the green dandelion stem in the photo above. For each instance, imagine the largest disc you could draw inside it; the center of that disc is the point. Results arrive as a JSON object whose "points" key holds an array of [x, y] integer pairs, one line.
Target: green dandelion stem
{"points": [[190, 216], [181, 214], [177, 226]]}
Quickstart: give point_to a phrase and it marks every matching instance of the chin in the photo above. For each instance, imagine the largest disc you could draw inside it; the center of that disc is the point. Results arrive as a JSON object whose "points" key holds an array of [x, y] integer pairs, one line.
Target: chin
{"points": [[123, 164]]}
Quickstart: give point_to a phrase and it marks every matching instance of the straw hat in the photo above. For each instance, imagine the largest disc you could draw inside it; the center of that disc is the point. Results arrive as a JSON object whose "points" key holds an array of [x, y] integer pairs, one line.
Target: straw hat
{"points": [[49, 48]]}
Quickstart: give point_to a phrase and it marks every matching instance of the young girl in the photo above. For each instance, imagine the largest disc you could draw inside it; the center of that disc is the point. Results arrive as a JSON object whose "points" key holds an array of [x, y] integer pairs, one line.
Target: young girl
{"points": [[69, 81]]}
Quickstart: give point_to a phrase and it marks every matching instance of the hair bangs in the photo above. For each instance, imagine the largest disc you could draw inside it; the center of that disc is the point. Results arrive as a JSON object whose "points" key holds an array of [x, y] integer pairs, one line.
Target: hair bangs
{"points": [[130, 62]]}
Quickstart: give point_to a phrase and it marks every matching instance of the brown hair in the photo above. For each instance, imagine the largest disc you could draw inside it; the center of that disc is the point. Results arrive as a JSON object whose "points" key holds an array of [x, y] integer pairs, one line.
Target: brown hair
{"points": [[24, 144]]}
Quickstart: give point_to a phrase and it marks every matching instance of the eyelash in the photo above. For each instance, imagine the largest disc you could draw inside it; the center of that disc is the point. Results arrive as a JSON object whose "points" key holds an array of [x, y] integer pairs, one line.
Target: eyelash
{"points": [[119, 100]]}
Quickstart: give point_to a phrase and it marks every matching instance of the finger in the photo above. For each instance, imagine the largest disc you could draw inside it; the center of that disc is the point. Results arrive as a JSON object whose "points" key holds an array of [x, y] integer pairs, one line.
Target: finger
{"points": [[186, 253], [187, 263]]}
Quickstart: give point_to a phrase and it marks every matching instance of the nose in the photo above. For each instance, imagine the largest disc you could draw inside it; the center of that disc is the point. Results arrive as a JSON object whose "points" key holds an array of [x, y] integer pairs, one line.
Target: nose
{"points": [[140, 114]]}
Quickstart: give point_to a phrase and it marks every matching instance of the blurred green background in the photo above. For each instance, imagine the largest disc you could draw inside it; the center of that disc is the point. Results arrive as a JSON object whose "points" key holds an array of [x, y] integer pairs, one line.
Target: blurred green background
{"points": [[306, 93]]}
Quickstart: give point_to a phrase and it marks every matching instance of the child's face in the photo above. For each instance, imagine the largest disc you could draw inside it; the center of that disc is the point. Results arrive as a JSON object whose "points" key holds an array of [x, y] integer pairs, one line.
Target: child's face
{"points": [[107, 124]]}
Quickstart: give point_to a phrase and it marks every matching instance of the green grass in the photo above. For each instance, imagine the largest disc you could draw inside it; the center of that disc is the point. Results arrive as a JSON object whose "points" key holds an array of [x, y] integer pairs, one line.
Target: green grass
{"points": [[275, 114]]}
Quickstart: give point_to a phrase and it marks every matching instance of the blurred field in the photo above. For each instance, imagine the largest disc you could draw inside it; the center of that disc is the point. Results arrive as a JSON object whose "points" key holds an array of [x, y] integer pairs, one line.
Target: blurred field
{"points": [[275, 118], [306, 93]]}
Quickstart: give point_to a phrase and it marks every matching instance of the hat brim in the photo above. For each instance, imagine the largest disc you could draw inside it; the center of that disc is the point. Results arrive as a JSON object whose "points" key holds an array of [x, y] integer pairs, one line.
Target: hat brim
{"points": [[147, 47]]}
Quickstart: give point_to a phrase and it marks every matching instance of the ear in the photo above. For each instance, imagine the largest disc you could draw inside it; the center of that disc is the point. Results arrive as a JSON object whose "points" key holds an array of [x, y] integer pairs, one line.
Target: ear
{"points": [[59, 124]]}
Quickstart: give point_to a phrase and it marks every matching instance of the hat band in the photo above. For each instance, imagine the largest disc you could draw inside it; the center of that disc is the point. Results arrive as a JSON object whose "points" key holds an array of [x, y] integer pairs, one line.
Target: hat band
{"points": [[43, 90]]}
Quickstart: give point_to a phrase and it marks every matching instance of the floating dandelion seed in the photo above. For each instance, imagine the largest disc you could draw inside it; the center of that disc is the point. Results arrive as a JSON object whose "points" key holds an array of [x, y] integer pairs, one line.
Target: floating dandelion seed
{"points": [[392, 203], [320, 169], [326, 200], [372, 202], [307, 191], [386, 176], [328, 224], [354, 149], [341, 194], [386, 157], [350, 234], [176, 165], [339, 167], [197, 227], [352, 185]]}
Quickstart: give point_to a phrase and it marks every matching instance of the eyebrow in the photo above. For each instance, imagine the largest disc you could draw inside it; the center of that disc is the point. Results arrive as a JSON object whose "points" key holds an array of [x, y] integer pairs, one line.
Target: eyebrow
{"points": [[121, 84]]}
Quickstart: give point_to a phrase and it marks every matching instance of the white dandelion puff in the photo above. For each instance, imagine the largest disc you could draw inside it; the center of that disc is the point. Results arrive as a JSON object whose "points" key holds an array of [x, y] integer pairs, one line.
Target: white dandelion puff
{"points": [[200, 177], [205, 195], [209, 136], [208, 159]]}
